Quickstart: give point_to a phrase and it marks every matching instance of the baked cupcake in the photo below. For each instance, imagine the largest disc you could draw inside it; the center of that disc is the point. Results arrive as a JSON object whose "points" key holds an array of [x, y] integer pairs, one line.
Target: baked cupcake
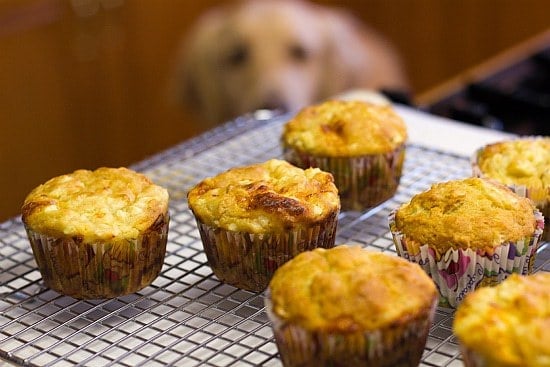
{"points": [[361, 144], [98, 234], [467, 233], [507, 325], [252, 219], [523, 165], [348, 306]]}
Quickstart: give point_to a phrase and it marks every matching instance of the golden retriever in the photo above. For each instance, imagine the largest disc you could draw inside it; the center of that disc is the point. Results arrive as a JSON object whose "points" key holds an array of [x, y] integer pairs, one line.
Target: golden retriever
{"points": [[280, 54]]}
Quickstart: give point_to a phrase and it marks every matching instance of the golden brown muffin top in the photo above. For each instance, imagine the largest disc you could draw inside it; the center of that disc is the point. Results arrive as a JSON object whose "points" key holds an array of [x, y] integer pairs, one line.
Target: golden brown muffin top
{"points": [[509, 324], [266, 197], [349, 289], [345, 128], [518, 162], [467, 213], [95, 205]]}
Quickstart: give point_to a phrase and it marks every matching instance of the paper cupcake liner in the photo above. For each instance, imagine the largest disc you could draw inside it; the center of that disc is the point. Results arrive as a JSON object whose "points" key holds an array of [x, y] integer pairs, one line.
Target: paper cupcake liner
{"points": [[100, 269], [539, 196], [400, 344], [248, 260], [458, 272], [363, 182]]}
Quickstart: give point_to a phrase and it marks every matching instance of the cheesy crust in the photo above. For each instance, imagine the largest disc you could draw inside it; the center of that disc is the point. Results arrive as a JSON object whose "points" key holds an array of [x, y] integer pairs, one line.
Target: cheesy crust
{"points": [[467, 213], [518, 162], [508, 325], [266, 197], [345, 129], [108, 204], [350, 289]]}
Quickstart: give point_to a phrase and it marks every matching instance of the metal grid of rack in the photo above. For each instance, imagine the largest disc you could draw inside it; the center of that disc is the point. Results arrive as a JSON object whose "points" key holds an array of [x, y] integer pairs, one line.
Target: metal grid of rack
{"points": [[187, 317]]}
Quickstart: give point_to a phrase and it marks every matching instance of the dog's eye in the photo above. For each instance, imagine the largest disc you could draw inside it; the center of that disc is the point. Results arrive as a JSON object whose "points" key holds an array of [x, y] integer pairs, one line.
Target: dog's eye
{"points": [[238, 55], [298, 52]]}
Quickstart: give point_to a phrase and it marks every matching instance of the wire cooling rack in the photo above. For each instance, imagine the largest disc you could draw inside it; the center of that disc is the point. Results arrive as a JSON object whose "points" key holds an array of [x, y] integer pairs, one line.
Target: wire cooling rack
{"points": [[187, 317]]}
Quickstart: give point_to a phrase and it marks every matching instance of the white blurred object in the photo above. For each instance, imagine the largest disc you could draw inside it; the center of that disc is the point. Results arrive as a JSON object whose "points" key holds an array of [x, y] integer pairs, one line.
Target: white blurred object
{"points": [[366, 95], [447, 135]]}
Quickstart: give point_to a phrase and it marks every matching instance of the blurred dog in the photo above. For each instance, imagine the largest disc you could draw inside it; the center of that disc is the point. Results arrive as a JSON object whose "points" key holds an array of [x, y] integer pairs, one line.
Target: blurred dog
{"points": [[280, 54]]}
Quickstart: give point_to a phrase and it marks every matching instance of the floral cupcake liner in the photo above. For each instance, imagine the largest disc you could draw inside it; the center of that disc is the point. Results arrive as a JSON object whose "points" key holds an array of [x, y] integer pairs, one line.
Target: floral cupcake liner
{"points": [[363, 182], [248, 260], [400, 344], [100, 269], [458, 272], [539, 196]]}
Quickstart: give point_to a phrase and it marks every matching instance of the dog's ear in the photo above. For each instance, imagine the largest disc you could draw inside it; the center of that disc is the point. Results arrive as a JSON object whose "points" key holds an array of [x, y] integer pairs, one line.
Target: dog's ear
{"points": [[198, 64], [358, 56]]}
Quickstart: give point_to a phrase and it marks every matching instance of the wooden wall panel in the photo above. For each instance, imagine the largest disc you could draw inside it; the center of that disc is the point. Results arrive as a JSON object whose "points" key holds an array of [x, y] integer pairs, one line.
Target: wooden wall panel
{"points": [[82, 88]]}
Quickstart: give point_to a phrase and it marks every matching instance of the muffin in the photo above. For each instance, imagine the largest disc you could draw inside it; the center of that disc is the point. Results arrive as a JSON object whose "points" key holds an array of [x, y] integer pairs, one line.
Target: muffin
{"points": [[360, 143], [254, 218], [467, 233], [348, 306], [507, 325], [97, 234], [523, 165]]}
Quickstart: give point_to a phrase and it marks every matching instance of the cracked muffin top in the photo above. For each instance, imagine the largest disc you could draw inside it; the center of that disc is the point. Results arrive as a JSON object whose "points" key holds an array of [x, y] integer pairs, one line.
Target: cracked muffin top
{"points": [[97, 205], [350, 289], [266, 197], [345, 128], [523, 161], [466, 213], [508, 324]]}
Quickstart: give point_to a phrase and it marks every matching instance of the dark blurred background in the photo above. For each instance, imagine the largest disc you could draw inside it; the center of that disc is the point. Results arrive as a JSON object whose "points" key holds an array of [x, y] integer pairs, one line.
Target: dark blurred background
{"points": [[83, 83]]}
